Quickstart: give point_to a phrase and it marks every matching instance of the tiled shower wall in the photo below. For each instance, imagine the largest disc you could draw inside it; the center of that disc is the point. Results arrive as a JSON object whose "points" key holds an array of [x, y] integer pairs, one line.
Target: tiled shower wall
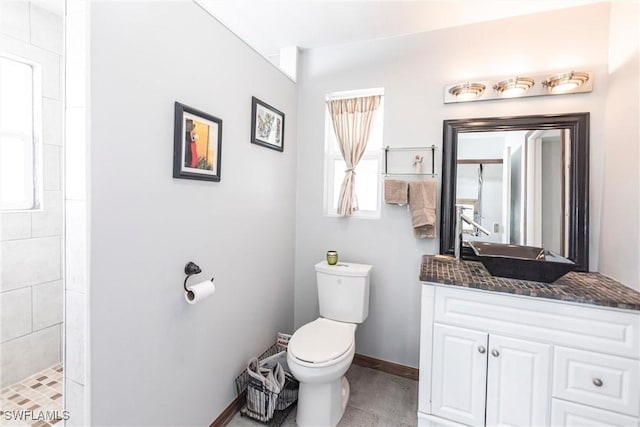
{"points": [[31, 286], [76, 378]]}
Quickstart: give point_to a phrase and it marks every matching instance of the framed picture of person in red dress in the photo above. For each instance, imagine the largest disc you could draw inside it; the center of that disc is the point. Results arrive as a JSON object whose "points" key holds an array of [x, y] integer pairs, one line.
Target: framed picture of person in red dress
{"points": [[197, 144]]}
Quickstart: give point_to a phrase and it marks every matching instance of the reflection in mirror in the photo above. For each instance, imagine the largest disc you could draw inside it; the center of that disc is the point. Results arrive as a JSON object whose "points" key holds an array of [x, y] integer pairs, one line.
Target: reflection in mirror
{"points": [[515, 184], [524, 178]]}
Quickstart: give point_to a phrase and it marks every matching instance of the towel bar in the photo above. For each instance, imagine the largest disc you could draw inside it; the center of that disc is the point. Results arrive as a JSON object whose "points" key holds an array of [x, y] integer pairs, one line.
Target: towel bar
{"points": [[431, 148]]}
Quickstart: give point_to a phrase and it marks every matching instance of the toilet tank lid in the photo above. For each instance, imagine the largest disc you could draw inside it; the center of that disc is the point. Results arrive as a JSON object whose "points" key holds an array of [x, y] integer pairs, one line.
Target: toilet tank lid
{"points": [[344, 269]]}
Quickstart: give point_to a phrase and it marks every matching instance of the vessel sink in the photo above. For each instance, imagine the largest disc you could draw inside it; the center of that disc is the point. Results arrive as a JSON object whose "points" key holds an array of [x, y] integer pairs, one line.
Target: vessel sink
{"points": [[521, 262]]}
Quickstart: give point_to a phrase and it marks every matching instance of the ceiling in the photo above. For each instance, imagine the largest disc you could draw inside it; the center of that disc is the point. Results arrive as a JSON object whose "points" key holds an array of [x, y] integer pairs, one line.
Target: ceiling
{"points": [[268, 25]]}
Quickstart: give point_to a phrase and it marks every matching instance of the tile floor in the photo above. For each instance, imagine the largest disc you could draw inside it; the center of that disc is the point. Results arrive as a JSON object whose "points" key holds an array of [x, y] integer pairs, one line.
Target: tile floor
{"points": [[377, 399], [36, 401]]}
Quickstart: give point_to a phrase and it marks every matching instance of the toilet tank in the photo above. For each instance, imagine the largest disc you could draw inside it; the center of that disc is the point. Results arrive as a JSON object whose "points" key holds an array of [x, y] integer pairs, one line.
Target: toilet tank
{"points": [[343, 291]]}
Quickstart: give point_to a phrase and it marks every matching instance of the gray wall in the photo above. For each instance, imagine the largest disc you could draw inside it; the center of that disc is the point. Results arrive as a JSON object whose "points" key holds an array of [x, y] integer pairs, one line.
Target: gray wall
{"points": [[32, 242], [413, 70], [620, 245], [155, 360]]}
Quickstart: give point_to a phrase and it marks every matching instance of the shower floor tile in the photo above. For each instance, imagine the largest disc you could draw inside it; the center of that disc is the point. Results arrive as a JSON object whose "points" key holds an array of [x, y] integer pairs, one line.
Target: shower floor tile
{"points": [[35, 401]]}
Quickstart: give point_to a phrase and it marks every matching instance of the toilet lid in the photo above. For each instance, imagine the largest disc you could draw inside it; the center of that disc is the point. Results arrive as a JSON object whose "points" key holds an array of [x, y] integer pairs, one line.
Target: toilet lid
{"points": [[322, 340]]}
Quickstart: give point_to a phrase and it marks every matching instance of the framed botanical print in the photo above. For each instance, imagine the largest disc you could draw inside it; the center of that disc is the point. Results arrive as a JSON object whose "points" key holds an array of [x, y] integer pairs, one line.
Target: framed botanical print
{"points": [[267, 125]]}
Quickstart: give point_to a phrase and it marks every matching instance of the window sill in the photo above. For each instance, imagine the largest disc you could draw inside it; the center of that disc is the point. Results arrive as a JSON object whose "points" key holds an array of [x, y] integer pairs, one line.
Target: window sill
{"points": [[359, 215]]}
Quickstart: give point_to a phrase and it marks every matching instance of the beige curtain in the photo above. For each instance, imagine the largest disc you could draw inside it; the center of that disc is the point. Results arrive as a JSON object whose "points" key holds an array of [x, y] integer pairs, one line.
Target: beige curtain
{"points": [[352, 119]]}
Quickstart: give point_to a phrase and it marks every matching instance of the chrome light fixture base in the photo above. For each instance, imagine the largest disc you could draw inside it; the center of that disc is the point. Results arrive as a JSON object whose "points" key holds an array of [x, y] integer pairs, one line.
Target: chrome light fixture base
{"points": [[552, 83]]}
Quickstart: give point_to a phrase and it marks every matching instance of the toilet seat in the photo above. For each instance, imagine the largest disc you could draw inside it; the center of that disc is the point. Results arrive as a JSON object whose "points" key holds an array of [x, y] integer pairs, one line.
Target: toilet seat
{"points": [[322, 341]]}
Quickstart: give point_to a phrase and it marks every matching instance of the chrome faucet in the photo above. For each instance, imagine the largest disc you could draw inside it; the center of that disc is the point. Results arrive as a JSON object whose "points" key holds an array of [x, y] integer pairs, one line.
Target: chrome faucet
{"points": [[459, 218]]}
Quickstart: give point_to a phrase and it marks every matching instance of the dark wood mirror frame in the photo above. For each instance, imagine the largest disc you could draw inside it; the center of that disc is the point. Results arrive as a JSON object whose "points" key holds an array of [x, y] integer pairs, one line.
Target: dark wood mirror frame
{"points": [[577, 123]]}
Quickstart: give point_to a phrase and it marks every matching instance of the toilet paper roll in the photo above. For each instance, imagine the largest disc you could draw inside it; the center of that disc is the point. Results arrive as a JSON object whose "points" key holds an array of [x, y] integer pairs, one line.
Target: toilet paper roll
{"points": [[199, 291]]}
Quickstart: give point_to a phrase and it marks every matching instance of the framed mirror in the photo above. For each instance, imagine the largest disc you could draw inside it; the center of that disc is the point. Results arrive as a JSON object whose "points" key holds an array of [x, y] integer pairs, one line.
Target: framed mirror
{"points": [[524, 178]]}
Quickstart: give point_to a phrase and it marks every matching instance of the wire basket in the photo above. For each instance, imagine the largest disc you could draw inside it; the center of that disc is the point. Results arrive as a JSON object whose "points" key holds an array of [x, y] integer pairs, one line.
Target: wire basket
{"points": [[264, 405]]}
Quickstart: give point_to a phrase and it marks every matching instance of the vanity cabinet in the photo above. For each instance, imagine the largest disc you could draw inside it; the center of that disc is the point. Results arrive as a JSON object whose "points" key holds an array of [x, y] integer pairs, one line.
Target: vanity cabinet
{"points": [[488, 358]]}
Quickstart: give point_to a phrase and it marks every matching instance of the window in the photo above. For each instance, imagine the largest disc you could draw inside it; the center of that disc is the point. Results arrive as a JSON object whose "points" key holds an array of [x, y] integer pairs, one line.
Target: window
{"points": [[20, 171], [367, 179]]}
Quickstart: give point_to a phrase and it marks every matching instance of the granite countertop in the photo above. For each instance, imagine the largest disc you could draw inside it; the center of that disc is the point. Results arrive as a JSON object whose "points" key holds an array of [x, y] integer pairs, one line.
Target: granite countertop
{"points": [[585, 288]]}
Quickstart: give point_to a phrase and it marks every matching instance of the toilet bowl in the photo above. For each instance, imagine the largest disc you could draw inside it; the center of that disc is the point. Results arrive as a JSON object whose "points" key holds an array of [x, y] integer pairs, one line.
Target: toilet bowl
{"points": [[319, 355], [320, 352]]}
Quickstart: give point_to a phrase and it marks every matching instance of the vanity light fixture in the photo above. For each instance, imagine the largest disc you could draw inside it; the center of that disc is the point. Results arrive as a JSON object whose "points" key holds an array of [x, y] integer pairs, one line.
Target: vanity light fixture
{"points": [[519, 86], [467, 91], [513, 87], [566, 82]]}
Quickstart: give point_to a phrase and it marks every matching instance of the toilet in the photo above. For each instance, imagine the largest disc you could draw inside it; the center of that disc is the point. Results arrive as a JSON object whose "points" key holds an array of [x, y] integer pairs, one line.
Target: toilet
{"points": [[321, 351]]}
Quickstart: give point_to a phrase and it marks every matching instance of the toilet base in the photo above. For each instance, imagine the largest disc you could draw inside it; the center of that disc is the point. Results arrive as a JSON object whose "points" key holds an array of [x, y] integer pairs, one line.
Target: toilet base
{"points": [[322, 404]]}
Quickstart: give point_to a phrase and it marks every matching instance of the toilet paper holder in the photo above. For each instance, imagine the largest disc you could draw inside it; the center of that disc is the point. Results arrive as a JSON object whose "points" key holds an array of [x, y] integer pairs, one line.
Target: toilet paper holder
{"points": [[191, 269]]}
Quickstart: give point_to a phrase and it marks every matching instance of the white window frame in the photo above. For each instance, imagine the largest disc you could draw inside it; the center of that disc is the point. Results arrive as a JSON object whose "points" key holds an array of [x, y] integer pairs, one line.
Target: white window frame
{"points": [[331, 155], [33, 140]]}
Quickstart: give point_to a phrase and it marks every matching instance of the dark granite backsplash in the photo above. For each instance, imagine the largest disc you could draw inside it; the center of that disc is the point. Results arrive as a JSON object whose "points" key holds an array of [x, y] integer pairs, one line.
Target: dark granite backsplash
{"points": [[586, 288]]}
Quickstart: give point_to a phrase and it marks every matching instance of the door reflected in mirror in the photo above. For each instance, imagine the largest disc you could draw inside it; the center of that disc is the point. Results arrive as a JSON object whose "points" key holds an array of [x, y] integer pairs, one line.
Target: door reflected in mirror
{"points": [[515, 184]]}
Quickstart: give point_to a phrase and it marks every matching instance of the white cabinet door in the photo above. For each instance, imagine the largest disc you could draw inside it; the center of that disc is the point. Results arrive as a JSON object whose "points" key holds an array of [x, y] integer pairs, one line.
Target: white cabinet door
{"points": [[518, 382], [459, 374]]}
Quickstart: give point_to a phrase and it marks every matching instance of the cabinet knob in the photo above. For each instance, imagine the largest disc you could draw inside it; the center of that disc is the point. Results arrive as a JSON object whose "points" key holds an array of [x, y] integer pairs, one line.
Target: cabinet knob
{"points": [[481, 349], [597, 382], [495, 353]]}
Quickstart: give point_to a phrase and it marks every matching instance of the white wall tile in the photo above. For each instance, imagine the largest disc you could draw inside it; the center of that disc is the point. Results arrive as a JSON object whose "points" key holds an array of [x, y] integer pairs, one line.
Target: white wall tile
{"points": [[15, 225], [76, 245], [52, 121], [25, 356], [14, 20], [29, 262], [76, 59], [74, 7], [49, 61], [74, 339], [47, 304], [51, 73], [52, 167], [74, 402], [15, 313], [75, 228], [48, 222], [75, 154], [46, 29], [35, 34]]}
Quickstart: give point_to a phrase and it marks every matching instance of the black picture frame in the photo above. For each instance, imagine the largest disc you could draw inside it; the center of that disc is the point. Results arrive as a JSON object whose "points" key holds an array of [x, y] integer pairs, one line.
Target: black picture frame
{"points": [[577, 123], [267, 125], [189, 125]]}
